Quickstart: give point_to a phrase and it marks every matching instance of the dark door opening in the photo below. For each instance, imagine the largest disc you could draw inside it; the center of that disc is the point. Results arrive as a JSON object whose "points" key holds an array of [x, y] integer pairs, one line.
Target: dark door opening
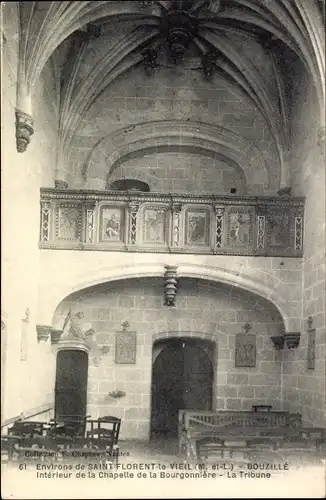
{"points": [[71, 383], [182, 378]]}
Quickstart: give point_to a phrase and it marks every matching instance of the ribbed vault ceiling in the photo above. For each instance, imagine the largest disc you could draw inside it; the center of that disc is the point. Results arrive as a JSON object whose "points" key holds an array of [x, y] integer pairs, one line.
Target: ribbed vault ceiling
{"points": [[64, 31]]}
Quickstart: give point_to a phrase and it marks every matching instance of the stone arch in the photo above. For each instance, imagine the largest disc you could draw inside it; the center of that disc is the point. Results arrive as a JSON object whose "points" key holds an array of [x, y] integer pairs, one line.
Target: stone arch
{"points": [[241, 280], [209, 139], [182, 148], [174, 334], [164, 335]]}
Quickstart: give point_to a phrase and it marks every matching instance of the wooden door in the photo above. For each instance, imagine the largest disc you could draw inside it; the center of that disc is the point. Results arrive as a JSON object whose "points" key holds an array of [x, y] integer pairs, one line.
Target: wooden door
{"points": [[71, 383], [198, 379], [182, 378]]}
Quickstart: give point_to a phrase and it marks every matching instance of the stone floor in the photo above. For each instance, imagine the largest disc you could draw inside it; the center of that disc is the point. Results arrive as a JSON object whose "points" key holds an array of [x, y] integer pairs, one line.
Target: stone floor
{"points": [[157, 450], [166, 451], [154, 470]]}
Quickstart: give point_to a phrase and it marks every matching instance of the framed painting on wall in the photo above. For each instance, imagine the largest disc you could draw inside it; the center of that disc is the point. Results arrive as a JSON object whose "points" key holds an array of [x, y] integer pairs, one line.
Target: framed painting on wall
{"points": [[245, 350], [125, 348], [112, 224], [311, 349], [197, 227]]}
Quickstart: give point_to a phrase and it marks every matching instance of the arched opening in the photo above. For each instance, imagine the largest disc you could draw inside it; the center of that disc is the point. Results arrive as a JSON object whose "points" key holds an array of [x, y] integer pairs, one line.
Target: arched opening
{"points": [[71, 383], [182, 378]]}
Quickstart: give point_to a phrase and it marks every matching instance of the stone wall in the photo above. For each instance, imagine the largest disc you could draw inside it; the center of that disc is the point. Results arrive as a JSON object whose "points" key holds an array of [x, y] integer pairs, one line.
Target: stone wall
{"points": [[180, 94], [304, 389], [29, 365], [175, 172], [207, 310]]}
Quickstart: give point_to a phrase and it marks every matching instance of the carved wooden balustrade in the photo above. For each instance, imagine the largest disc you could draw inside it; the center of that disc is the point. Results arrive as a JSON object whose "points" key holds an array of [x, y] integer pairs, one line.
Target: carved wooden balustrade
{"points": [[166, 223]]}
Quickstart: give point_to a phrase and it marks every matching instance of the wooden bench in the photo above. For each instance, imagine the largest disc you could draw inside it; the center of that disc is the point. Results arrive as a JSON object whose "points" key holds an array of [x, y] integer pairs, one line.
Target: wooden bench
{"points": [[194, 425], [284, 441], [224, 444]]}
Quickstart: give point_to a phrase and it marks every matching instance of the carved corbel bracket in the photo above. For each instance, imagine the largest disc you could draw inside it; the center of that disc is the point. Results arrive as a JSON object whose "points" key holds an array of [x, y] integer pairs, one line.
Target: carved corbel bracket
{"points": [[24, 130], [56, 335], [58, 184], [43, 332], [278, 341], [289, 339], [170, 285], [292, 339]]}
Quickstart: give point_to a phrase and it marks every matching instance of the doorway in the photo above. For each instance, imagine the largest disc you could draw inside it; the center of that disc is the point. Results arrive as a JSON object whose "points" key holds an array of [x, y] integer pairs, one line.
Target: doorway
{"points": [[182, 378], [71, 383]]}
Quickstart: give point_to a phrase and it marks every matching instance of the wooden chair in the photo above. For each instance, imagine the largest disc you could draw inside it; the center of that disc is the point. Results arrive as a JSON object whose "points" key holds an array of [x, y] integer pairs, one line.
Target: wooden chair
{"points": [[68, 425], [7, 447], [27, 429], [113, 424], [34, 448], [105, 434], [85, 448]]}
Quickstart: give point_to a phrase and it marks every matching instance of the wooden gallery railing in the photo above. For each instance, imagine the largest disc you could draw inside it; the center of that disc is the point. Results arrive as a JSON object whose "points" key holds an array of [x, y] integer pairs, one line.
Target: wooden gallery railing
{"points": [[150, 222]]}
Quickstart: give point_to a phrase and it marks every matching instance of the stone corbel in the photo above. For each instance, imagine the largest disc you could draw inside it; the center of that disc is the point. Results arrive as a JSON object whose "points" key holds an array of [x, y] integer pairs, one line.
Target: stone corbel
{"points": [[292, 339], [43, 332], [58, 184], [55, 335], [170, 285], [24, 130], [289, 339]]}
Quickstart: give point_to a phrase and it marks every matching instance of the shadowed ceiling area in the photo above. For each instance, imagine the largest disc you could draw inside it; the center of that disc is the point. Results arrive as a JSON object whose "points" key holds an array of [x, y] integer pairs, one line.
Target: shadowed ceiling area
{"points": [[245, 44]]}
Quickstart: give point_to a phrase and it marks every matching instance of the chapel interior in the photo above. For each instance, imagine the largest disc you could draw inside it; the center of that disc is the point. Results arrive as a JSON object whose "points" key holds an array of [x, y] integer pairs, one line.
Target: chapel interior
{"points": [[163, 221]]}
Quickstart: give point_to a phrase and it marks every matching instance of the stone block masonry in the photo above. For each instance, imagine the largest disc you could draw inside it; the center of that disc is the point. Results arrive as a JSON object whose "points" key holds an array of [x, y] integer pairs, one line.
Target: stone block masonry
{"points": [[203, 310]]}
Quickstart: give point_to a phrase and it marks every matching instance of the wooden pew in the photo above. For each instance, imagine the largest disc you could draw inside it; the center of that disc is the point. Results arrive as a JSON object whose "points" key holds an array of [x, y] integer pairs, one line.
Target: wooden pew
{"points": [[195, 425], [225, 441]]}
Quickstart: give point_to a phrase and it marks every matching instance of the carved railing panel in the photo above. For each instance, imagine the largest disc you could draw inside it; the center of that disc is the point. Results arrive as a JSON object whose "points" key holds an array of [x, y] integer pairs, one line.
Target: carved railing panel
{"points": [[149, 222]]}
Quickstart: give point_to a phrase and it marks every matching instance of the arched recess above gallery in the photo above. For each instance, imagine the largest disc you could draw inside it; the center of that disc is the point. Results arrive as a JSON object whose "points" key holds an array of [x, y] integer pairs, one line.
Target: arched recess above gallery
{"points": [[111, 151]]}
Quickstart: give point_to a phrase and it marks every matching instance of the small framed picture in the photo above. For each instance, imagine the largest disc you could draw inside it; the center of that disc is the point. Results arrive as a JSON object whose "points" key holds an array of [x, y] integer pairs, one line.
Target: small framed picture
{"points": [[125, 348], [311, 349], [245, 350]]}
